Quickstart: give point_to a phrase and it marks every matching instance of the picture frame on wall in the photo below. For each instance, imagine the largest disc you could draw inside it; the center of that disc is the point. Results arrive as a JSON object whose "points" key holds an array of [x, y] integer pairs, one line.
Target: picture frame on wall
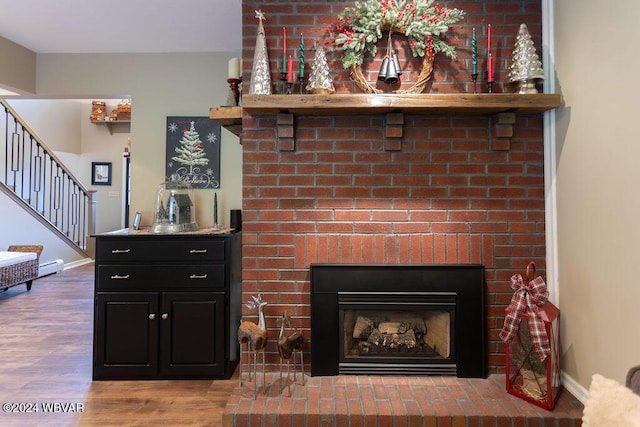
{"points": [[193, 151], [100, 173]]}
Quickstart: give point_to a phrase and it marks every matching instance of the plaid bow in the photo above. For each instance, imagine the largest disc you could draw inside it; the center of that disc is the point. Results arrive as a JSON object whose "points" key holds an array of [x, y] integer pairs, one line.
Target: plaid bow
{"points": [[527, 299]]}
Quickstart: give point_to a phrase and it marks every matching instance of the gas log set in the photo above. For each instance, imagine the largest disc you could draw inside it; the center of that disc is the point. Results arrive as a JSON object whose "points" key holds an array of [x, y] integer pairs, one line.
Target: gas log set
{"points": [[395, 332]]}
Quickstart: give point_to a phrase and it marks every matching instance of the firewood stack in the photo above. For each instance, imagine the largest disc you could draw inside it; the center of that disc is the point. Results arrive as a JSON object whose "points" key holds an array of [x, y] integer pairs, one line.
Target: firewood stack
{"points": [[122, 111], [98, 110]]}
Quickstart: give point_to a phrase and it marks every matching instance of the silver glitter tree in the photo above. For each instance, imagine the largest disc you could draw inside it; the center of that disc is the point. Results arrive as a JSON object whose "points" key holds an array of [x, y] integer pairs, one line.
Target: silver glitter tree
{"points": [[261, 74], [526, 69], [320, 80]]}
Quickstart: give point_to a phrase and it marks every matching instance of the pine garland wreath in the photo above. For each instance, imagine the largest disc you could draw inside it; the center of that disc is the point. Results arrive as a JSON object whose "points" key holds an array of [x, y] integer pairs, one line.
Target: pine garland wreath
{"points": [[360, 27]]}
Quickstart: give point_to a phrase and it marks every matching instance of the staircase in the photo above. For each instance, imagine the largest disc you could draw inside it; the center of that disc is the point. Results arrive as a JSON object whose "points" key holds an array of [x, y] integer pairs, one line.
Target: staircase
{"points": [[32, 175]]}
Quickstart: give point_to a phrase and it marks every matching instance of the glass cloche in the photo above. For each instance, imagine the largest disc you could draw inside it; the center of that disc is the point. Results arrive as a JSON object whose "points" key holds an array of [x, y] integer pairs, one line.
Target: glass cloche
{"points": [[175, 209]]}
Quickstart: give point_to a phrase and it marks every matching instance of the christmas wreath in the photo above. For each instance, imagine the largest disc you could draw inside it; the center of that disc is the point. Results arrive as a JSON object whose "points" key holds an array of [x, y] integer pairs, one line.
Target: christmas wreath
{"points": [[360, 27]]}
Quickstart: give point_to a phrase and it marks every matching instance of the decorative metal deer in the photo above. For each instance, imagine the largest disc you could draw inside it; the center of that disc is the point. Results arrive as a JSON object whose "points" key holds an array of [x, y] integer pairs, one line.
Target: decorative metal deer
{"points": [[256, 338], [288, 345]]}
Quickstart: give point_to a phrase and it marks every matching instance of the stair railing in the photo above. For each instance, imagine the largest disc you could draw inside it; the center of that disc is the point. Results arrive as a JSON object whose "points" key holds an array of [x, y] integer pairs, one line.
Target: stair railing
{"points": [[40, 180]]}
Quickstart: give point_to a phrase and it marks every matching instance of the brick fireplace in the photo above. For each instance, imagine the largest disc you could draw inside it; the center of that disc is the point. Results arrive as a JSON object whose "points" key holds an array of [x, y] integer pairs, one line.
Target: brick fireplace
{"points": [[445, 197]]}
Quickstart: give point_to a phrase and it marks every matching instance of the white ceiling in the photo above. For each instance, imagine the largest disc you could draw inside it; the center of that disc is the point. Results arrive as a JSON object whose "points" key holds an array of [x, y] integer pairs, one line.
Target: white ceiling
{"points": [[118, 26]]}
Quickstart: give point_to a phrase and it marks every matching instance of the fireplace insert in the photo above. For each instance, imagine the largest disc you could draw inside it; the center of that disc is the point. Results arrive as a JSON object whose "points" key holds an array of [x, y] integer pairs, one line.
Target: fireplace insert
{"points": [[398, 319]]}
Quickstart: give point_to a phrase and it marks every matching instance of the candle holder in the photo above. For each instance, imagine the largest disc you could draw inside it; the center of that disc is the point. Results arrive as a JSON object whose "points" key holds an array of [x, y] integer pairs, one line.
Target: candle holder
{"points": [[474, 76], [283, 79], [234, 85], [301, 80], [289, 86], [489, 83]]}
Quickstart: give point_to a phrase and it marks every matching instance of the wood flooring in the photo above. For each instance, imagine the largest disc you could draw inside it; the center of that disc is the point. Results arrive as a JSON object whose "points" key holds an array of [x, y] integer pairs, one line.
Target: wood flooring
{"points": [[45, 367]]}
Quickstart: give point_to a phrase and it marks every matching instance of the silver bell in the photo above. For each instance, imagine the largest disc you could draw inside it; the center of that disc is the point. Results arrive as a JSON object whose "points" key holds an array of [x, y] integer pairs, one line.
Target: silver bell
{"points": [[396, 62], [382, 74], [391, 75]]}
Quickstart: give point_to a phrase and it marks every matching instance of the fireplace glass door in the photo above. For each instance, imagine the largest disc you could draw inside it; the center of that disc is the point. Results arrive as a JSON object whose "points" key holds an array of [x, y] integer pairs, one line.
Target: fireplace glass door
{"points": [[397, 332]]}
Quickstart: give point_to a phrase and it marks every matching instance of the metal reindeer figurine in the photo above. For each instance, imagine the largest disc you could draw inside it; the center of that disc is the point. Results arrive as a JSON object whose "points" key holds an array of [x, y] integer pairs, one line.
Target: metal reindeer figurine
{"points": [[288, 345], [256, 338]]}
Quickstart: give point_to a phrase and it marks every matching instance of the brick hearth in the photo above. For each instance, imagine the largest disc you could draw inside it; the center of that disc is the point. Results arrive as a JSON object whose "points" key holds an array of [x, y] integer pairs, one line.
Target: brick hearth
{"points": [[393, 401]]}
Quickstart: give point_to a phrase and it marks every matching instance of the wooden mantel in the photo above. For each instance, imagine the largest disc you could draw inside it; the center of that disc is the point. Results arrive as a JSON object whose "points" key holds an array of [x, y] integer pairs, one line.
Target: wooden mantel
{"points": [[350, 104], [502, 107]]}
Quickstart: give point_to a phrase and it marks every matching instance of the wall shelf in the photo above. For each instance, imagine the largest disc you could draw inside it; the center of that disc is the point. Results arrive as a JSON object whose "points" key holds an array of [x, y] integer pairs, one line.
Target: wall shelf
{"points": [[228, 117], [118, 126]]}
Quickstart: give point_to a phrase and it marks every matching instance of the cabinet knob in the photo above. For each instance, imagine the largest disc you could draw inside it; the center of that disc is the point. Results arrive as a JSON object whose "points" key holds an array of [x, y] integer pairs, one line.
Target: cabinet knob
{"points": [[198, 251], [198, 276], [165, 316], [120, 277], [152, 316]]}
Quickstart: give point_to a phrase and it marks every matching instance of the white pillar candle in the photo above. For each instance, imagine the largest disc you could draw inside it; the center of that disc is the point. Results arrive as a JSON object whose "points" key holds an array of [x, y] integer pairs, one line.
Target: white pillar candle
{"points": [[234, 68]]}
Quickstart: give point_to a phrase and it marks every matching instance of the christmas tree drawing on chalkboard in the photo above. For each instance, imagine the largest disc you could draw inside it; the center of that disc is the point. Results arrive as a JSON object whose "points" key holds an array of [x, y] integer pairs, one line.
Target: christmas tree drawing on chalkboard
{"points": [[191, 152]]}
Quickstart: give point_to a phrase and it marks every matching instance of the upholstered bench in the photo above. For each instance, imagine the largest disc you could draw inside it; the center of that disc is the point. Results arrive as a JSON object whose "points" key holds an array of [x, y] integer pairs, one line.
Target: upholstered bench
{"points": [[19, 264]]}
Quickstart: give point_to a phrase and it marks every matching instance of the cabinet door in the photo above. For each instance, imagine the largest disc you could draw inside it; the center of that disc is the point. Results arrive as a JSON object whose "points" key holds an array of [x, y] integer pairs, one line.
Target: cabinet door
{"points": [[192, 334], [126, 335]]}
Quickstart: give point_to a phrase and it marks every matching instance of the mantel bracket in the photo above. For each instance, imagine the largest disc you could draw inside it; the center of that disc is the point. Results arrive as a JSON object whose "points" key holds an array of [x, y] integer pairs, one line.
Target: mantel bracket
{"points": [[502, 131], [286, 132], [393, 132]]}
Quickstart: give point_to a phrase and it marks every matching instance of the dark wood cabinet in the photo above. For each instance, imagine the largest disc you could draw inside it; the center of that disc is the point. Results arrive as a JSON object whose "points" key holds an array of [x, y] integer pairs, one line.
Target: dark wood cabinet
{"points": [[125, 335], [192, 349], [166, 306]]}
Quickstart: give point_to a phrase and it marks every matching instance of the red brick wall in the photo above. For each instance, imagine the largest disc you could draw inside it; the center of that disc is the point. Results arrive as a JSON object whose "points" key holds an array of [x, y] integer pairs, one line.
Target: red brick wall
{"points": [[446, 197]]}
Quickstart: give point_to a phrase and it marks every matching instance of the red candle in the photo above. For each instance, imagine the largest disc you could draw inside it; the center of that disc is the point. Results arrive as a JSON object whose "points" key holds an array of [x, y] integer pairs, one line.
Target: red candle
{"points": [[489, 57], [290, 70], [284, 41]]}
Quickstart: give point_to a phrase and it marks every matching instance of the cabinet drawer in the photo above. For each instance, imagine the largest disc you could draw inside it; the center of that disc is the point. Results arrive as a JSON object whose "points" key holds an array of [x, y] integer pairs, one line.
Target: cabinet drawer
{"points": [[160, 276], [160, 249]]}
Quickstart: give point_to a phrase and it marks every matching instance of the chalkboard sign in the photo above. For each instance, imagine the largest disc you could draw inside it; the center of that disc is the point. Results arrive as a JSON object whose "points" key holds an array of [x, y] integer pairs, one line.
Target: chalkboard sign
{"points": [[193, 151]]}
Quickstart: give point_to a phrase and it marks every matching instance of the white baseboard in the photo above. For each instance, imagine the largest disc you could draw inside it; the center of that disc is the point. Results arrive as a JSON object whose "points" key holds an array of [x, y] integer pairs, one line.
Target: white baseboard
{"points": [[78, 263], [574, 388]]}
